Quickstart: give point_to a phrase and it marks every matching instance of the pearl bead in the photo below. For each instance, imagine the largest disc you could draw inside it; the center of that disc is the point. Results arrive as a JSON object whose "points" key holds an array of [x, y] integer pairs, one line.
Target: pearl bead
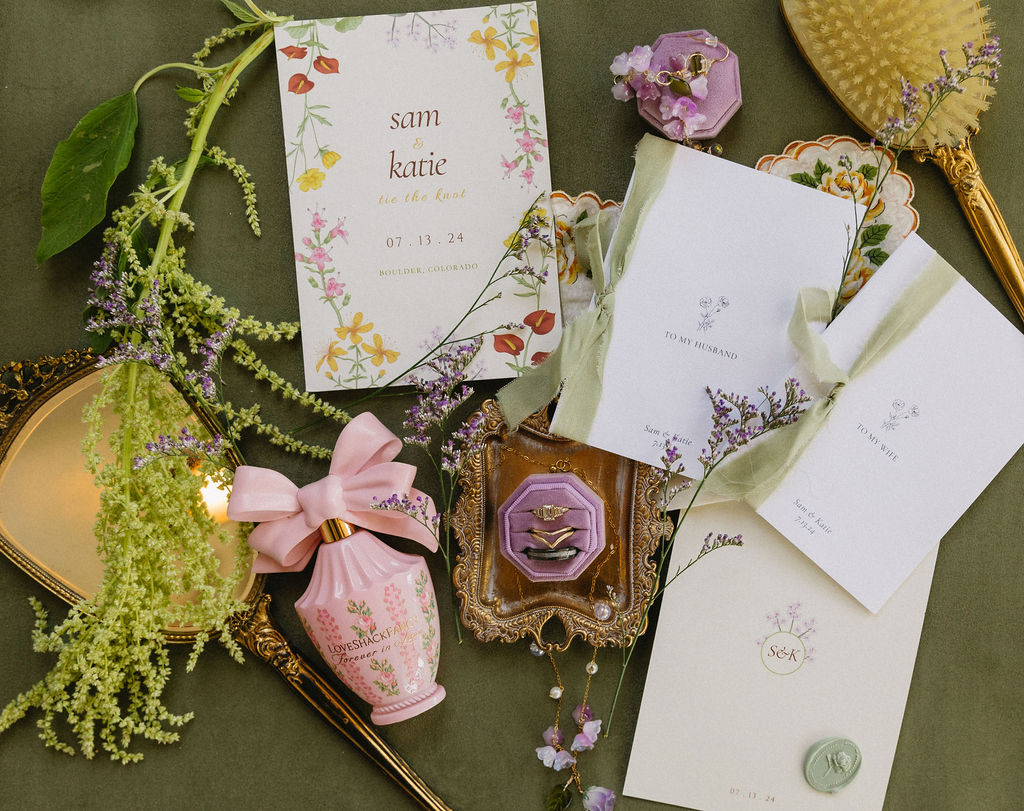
{"points": [[555, 692], [591, 668], [602, 610]]}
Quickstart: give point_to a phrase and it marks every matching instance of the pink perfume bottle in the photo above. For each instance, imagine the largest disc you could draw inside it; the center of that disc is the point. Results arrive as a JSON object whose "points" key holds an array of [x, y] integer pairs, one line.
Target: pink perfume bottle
{"points": [[371, 613], [369, 610]]}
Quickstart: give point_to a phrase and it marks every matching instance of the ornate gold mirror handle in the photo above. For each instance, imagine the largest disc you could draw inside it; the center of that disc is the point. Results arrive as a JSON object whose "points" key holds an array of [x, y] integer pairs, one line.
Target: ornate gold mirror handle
{"points": [[961, 170], [256, 630]]}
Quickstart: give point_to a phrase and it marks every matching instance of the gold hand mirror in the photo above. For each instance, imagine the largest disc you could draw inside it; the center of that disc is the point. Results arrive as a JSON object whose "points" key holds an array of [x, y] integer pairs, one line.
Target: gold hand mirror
{"points": [[48, 503], [861, 48]]}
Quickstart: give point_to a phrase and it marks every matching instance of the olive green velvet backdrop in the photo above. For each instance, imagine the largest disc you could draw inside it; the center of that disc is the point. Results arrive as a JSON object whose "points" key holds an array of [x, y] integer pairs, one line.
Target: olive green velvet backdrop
{"points": [[254, 743]]}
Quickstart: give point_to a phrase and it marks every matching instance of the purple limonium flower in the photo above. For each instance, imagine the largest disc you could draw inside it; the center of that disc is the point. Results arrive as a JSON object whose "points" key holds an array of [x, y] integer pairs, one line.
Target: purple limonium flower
{"points": [[418, 508], [736, 420], [184, 444], [439, 395], [598, 798], [556, 759]]}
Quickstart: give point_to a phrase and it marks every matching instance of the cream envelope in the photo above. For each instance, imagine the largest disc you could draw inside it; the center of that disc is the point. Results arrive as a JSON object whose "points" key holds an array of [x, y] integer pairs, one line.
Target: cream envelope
{"points": [[758, 656], [414, 143]]}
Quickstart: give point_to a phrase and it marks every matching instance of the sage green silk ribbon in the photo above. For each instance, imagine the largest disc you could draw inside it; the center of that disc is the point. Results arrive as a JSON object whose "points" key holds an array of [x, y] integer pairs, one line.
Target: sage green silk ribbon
{"points": [[753, 472], [577, 363]]}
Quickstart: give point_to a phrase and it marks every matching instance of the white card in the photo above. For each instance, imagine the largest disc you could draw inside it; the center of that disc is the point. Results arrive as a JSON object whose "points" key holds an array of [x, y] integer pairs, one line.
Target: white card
{"points": [[911, 442], [414, 144], [759, 655], [706, 297]]}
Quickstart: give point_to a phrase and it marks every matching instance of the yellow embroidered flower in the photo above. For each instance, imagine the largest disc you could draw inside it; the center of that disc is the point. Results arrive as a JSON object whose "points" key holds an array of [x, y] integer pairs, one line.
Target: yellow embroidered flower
{"points": [[378, 352], [532, 40], [329, 158], [489, 39], [334, 351], [354, 330], [513, 61], [857, 276], [310, 179], [853, 185]]}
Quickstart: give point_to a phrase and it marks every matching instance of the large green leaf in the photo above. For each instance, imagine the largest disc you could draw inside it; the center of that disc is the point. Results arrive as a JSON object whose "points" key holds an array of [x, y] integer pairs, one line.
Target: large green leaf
{"points": [[82, 171]]}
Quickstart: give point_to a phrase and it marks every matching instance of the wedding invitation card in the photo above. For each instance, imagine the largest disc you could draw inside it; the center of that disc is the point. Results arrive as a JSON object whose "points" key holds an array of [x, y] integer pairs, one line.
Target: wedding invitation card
{"points": [[757, 657], [706, 293], [912, 440], [415, 142]]}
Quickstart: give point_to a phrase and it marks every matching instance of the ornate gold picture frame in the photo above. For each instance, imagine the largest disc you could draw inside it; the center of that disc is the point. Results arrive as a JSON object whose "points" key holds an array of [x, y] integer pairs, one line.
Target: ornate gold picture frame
{"points": [[606, 602]]}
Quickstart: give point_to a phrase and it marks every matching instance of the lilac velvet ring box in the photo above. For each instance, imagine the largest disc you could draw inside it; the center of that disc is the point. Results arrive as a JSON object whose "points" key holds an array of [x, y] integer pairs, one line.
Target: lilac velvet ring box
{"points": [[552, 527]]}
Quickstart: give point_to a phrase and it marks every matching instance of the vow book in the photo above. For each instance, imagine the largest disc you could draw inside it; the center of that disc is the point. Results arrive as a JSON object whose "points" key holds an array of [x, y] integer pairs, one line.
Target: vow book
{"points": [[414, 143]]}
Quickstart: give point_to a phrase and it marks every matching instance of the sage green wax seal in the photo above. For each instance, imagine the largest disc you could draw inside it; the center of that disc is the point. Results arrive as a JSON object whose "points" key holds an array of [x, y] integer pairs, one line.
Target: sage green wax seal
{"points": [[831, 764]]}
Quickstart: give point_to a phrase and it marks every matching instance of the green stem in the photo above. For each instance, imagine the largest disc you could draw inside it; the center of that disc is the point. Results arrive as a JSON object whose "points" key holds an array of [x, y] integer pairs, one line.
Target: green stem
{"points": [[181, 65], [213, 104]]}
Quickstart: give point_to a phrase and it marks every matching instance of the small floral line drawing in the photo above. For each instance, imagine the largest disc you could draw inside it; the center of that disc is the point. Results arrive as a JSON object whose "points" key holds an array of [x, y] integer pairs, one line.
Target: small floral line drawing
{"points": [[517, 43], [432, 33], [364, 625], [898, 414], [708, 308]]}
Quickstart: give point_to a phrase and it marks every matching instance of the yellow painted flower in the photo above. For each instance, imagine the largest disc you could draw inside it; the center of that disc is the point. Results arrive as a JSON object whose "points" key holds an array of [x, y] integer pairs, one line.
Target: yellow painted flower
{"points": [[532, 40], [513, 61], [310, 179], [489, 39], [378, 352], [334, 351], [353, 331], [329, 158]]}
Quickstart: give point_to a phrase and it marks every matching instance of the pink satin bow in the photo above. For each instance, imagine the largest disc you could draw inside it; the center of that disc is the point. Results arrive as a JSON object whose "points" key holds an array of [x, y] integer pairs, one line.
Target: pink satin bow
{"points": [[290, 516]]}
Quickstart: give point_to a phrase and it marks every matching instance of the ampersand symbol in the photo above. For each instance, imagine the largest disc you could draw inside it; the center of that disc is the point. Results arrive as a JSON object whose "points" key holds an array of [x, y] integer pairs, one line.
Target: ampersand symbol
{"points": [[417, 144]]}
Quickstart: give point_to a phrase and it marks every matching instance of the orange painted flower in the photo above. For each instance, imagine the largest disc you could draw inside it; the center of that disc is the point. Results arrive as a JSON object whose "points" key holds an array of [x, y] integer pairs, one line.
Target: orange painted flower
{"points": [[538, 358], [540, 321], [354, 330], [293, 51], [329, 158], [331, 356], [532, 40], [489, 39], [378, 352], [299, 84], [324, 64], [508, 343], [513, 61]]}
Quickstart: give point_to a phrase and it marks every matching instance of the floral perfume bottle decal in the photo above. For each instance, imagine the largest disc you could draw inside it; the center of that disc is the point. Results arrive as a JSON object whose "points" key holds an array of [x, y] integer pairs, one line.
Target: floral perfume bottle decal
{"points": [[369, 610], [784, 649], [708, 308], [898, 414]]}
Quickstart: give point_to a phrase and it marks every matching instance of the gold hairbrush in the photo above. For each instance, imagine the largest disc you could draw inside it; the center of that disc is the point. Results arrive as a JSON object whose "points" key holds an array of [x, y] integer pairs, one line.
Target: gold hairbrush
{"points": [[861, 48]]}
